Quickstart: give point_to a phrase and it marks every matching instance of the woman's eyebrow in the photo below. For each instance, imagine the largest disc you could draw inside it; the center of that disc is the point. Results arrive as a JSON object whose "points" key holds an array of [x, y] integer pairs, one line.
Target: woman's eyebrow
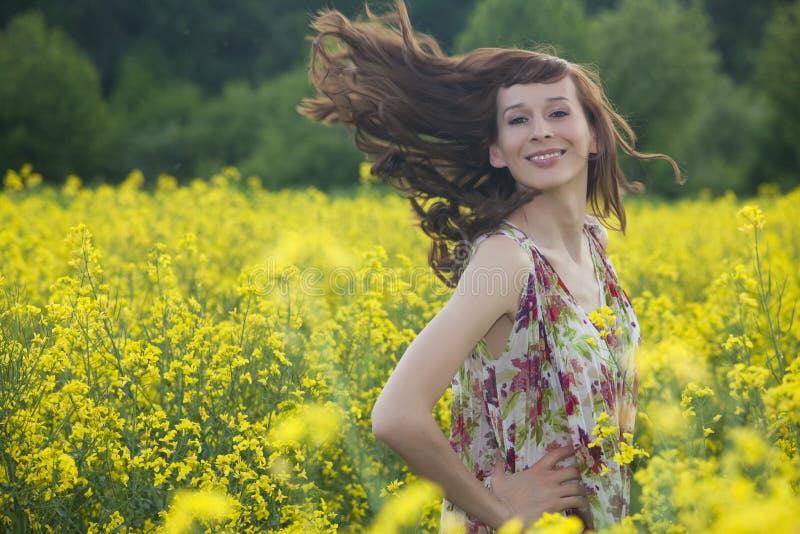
{"points": [[549, 99], [513, 106]]}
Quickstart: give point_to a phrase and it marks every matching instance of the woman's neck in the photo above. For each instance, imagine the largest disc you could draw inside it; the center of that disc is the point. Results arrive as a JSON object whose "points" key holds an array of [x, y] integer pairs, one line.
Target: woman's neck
{"points": [[555, 222]]}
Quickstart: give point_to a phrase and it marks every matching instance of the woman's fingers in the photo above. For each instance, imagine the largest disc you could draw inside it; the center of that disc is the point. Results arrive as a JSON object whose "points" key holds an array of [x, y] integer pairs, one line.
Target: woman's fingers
{"points": [[572, 488], [567, 473], [544, 487], [578, 502], [550, 459]]}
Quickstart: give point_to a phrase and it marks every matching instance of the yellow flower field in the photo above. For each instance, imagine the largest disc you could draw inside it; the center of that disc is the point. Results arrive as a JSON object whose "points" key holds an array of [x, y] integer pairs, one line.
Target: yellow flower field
{"points": [[206, 357]]}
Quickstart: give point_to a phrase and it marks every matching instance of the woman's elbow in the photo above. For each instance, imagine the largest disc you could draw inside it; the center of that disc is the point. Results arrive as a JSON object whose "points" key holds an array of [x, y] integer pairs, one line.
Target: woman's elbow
{"points": [[388, 422], [382, 425]]}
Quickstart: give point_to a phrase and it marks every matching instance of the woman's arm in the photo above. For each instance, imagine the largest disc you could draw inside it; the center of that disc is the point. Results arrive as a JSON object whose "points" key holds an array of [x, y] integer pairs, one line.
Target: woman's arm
{"points": [[489, 288], [402, 416]]}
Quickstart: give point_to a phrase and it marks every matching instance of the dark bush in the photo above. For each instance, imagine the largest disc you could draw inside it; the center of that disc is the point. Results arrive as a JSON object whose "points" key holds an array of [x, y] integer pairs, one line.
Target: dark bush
{"points": [[51, 111]]}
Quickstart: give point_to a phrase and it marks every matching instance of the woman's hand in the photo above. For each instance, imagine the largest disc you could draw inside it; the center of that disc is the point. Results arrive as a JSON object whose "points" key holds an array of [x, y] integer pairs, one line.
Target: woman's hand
{"points": [[542, 488]]}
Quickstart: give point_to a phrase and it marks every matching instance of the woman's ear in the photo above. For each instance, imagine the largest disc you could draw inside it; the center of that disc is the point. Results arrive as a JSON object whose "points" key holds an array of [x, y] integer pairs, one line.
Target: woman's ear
{"points": [[495, 158]]}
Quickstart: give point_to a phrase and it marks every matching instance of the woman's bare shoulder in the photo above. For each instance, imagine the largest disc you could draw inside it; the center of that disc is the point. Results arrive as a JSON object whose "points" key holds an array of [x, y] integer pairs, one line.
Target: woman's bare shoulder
{"points": [[497, 269], [499, 250]]}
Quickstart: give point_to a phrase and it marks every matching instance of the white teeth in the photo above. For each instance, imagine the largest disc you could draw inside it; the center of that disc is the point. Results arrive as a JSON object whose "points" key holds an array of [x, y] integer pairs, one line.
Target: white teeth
{"points": [[541, 157]]}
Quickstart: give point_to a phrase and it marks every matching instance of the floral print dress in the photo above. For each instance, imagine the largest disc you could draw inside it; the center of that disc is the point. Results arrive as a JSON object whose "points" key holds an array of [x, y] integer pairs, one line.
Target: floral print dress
{"points": [[558, 374]]}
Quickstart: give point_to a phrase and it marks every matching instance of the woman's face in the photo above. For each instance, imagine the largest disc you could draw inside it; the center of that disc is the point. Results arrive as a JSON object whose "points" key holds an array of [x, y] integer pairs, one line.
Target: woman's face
{"points": [[543, 136]]}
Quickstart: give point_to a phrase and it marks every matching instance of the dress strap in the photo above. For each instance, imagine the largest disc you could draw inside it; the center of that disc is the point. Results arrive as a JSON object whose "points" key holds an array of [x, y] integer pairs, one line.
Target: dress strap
{"points": [[597, 231], [514, 230], [507, 229]]}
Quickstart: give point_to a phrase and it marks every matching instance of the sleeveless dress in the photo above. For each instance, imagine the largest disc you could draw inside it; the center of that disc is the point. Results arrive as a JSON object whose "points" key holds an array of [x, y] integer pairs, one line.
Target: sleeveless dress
{"points": [[557, 374]]}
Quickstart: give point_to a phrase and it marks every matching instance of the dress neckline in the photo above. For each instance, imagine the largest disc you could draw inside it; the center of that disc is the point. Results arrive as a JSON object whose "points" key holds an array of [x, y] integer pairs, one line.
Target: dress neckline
{"points": [[552, 269]]}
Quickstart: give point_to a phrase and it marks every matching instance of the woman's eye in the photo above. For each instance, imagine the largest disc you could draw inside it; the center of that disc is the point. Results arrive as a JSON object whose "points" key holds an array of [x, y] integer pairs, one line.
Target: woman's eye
{"points": [[517, 120], [559, 113]]}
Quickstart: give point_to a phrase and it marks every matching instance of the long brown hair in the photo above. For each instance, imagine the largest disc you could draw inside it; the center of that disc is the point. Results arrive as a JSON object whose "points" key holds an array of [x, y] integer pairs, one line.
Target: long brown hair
{"points": [[426, 121]]}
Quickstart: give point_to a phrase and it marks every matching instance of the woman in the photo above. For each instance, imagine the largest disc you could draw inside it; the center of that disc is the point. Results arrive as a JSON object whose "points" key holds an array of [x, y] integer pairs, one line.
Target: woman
{"points": [[501, 152]]}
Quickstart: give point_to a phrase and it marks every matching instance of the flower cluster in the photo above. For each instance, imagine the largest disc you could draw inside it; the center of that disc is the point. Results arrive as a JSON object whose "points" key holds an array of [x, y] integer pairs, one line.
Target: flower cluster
{"points": [[206, 355]]}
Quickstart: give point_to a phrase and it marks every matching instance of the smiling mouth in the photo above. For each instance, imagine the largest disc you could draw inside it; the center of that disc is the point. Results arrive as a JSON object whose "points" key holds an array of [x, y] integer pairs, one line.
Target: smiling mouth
{"points": [[546, 156]]}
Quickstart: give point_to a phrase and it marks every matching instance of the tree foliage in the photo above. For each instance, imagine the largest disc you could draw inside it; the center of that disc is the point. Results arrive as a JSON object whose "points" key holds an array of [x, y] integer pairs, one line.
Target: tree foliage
{"points": [[521, 23], [208, 42], [168, 125], [193, 86], [739, 27], [259, 129], [659, 69], [152, 109], [444, 19], [51, 110], [779, 79]]}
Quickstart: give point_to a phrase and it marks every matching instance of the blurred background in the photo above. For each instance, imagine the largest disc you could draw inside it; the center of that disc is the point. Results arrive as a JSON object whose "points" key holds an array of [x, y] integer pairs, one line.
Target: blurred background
{"points": [[98, 88]]}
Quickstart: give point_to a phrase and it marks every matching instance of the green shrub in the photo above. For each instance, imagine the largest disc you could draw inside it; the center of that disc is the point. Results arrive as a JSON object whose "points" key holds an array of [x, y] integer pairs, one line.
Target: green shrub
{"points": [[152, 110], [259, 130], [779, 79], [51, 112]]}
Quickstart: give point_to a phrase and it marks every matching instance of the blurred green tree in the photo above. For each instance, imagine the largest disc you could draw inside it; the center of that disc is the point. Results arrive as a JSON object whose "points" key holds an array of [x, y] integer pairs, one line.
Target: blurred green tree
{"points": [[721, 145], [657, 66], [779, 79], [521, 23], [443, 19], [190, 84], [288, 149], [659, 69], [210, 42], [165, 124], [207, 42], [51, 112], [738, 31], [152, 109]]}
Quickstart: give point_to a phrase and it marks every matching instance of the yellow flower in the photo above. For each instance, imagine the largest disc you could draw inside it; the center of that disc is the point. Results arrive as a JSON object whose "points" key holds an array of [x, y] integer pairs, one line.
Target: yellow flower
{"points": [[403, 509], [557, 524], [190, 506], [365, 175], [134, 180], [145, 352], [512, 526], [12, 181], [392, 488], [72, 185], [166, 183], [316, 423], [603, 318], [751, 217], [31, 179]]}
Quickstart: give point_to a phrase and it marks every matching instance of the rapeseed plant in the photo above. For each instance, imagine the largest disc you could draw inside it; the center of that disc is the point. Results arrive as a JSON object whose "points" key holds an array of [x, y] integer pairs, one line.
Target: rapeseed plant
{"points": [[206, 356]]}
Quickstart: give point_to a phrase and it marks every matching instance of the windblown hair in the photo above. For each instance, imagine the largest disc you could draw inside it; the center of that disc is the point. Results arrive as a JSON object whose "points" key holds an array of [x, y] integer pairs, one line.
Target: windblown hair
{"points": [[426, 121]]}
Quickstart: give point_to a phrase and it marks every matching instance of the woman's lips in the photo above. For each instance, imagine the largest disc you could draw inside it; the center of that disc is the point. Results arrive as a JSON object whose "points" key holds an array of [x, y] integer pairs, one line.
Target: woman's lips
{"points": [[545, 158]]}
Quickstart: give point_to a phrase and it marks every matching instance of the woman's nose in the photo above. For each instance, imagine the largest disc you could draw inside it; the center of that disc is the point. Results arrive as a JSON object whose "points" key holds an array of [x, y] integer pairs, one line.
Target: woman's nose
{"points": [[540, 130]]}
